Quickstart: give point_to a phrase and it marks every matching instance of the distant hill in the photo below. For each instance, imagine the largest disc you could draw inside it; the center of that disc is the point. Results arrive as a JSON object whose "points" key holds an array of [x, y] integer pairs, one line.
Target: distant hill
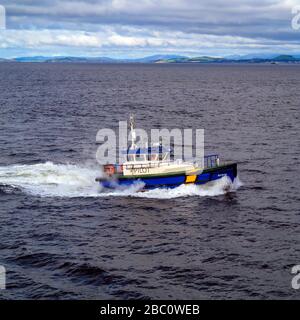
{"points": [[254, 58], [62, 59], [4, 60], [149, 59], [285, 58], [32, 59], [206, 59], [156, 58], [81, 59]]}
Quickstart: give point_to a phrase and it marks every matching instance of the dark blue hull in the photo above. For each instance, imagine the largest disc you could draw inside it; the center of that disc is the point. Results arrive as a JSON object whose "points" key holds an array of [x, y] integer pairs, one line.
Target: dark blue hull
{"points": [[175, 180]]}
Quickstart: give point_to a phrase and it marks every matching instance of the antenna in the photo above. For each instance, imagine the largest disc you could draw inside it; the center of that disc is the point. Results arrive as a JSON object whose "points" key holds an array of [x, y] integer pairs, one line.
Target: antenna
{"points": [[132, 131], [132, 121]]}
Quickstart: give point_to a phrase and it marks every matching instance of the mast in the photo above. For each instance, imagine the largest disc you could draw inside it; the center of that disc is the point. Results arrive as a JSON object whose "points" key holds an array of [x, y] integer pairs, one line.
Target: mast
{"points": [[132, 131]]}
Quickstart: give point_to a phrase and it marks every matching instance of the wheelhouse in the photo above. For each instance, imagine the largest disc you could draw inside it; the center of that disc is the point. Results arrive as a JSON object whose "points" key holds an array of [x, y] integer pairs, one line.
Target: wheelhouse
{"points": [[147, 154]]}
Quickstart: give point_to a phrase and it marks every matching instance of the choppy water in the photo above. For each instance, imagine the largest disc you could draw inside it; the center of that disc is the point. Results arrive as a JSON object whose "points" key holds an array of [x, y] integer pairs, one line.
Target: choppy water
{"points": [[62, 237]]}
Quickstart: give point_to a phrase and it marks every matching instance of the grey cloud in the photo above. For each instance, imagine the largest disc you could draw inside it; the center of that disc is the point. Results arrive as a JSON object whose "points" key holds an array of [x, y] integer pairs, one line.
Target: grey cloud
{"points": [[146, 26], [250, 18]]}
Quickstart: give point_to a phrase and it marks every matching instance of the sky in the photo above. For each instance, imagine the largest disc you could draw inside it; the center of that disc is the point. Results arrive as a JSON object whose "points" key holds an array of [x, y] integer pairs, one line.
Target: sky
{"points": [[137, 28]]}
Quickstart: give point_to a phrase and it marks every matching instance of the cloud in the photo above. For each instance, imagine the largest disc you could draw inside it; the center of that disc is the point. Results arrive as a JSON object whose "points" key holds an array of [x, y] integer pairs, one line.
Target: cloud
{"points": [[108, 41], [122, 26]]}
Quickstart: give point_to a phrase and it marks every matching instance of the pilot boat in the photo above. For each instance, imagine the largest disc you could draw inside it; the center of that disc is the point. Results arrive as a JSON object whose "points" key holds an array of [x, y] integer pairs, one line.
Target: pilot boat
{"points": [[151, 167]]}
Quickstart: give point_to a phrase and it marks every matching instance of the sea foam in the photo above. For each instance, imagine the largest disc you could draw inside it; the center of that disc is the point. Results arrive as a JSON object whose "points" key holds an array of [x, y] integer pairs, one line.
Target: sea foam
{"points": [[68, 180]]}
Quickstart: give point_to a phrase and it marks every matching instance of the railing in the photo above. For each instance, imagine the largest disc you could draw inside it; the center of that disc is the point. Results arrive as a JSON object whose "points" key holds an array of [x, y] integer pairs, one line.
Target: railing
{"points": [[155, 164], [211, 161]]}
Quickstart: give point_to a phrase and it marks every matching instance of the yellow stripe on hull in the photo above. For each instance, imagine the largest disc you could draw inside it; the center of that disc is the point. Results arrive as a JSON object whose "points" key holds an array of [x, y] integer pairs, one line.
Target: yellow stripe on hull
{"points": [[190, 179]]}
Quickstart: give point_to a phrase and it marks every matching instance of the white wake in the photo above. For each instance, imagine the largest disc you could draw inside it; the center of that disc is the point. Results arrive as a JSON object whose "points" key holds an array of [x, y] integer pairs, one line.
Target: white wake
{"points": [[68, 180]]}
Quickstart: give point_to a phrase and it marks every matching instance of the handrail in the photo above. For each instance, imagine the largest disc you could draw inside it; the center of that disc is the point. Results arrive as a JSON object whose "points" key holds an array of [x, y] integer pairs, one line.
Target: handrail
{"points": [[148, 165], [209, 162]]}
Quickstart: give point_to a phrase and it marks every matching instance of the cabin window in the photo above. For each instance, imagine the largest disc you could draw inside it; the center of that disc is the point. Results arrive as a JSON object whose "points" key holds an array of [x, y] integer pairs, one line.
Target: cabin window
{"points": [[140, 157], [130, 157], [154, 157]]}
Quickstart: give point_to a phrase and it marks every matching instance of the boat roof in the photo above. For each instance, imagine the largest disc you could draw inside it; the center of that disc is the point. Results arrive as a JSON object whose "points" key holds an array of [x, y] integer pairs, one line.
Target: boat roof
{"points": [[149, 150]]}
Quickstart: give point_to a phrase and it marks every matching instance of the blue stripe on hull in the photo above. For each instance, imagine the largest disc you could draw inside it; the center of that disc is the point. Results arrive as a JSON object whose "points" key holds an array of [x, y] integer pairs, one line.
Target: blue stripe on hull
{"points": [[149, 182], [175, 181], [211, 176]]}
